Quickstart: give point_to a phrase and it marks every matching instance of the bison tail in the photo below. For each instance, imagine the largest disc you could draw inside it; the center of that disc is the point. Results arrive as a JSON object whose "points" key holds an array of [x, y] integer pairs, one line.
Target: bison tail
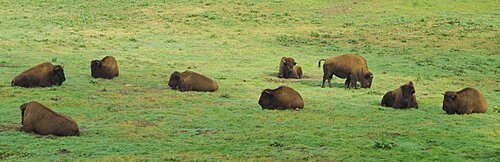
{"points": [[319, 62], [77, 132]]}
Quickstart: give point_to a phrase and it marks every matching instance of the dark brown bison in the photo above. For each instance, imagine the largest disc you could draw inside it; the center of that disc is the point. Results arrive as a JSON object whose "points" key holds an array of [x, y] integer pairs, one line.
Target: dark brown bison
{"points": [[281, 98], [41, 75], [466, 101], [350, 66], [41, 120], [289, 68], [401, 98], [106, 68], [191, 81]]}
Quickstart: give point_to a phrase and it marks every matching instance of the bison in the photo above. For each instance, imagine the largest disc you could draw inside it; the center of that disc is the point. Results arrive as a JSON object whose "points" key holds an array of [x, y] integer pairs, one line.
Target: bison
{"points": [[106, 68], [466, 101], [289, 68], [281, 98], [401, 98], [41, 75], [41, 120], [350, 66], [191, 81]]}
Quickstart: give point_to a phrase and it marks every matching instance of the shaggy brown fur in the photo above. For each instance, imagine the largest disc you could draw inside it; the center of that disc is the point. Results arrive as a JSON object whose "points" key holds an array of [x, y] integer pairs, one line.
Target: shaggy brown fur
{"points": [[401, 98], [281, 98], [191, 81], [466, 101], [297, 72], [289, 68], [350, 66], [41, 120], [106, 68], [41, 75]]}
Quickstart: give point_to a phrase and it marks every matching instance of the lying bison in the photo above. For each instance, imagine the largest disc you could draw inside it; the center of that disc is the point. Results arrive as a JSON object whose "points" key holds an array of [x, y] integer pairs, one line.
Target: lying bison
{"points": [[281, 98], [350, 66], [191, 81], [106, 68], [41, 75], [466, 101], [401, 98], [289, 68], [41, 120]]}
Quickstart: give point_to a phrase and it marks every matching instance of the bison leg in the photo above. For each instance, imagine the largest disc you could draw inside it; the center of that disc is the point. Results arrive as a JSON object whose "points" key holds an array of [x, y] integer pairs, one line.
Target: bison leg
{"points": [[325, 77], [26, 129], [347, 81], [353, 80]]}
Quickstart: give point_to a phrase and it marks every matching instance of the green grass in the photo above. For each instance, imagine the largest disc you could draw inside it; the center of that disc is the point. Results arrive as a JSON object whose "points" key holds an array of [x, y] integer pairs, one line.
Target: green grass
{"points": [[439, 45]]}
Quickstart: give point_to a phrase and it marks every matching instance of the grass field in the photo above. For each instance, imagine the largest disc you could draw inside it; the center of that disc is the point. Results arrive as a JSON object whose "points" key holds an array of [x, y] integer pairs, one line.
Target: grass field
{"points": [[439, 45]]}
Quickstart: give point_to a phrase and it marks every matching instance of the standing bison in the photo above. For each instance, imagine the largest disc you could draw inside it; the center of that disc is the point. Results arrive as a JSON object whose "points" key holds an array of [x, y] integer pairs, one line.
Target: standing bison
{"points": [[289, 68], [41, 75], [350, 66], [41, 120], [466, 101], [106, 68], [281, 98], [191, 81], [401, 98]]}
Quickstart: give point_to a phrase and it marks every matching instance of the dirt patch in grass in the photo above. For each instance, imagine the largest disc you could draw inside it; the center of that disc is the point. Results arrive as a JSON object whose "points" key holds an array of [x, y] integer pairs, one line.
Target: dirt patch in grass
{"points": [[335, 10], [9, 127]]}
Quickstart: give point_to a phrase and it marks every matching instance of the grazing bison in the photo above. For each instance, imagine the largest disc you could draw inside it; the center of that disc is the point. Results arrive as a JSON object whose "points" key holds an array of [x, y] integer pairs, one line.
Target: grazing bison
{"points": [[466, 101], [41, 120], [191, 81], [41, 75], [289, 68], [281, 98], [350, 66], [401, 98], [106, 68]]}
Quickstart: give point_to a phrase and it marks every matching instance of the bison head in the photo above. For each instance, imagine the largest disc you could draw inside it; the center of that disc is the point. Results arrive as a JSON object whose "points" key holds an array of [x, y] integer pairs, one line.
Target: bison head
{"points": [[23, 108], [287, 65], [175, 80], [407, 92], [266, 98], [366, 82], [58, 75], [94, 67], [449, 103]]}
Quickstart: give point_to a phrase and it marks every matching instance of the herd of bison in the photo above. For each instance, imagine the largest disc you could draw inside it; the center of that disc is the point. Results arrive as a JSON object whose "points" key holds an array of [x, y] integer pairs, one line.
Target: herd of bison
{"points": [[36, 118]]}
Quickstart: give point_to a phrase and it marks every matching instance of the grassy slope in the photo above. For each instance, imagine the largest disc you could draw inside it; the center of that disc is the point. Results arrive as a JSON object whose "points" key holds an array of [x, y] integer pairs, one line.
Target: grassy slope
{"points": [[439, 45]]}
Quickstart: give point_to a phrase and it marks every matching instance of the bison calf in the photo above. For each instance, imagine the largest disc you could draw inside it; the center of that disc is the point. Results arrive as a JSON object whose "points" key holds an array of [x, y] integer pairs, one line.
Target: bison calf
{"points": [[41, 75], [466, 101], [106, 68], [41, 120], [289, 68], [191, 81], [350, 66], [281, 98], [401, 98]]}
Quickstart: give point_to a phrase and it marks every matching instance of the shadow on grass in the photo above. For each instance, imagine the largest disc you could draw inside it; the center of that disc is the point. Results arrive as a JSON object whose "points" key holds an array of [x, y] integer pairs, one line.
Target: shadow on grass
{"points": [[317, 83]]}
